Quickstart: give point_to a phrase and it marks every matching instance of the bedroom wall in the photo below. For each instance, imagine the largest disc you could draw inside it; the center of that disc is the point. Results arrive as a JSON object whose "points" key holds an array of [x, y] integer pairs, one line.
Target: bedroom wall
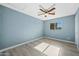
{"points": [[1, 45], [16, 29], [67, 32], [77, 28]]}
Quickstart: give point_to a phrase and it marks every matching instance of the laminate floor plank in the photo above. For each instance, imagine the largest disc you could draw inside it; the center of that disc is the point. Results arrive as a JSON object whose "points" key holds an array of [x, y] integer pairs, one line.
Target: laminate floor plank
{"points": [[44, 47]]}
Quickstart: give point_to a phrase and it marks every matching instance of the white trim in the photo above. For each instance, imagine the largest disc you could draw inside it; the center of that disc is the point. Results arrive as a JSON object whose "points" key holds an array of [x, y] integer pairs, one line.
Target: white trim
{"points": [[16, 9], [20, 44], [19, 10], [32, 41], [60, 40], [8, 6]]}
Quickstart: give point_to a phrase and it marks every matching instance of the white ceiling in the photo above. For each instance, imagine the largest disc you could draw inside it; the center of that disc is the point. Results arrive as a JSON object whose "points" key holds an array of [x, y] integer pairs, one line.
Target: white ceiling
{"points": [[32, 9]]}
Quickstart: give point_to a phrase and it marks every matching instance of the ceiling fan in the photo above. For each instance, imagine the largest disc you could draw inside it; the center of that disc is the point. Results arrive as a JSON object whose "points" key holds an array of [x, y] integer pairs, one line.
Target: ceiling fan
{"points": [[48, 11]]}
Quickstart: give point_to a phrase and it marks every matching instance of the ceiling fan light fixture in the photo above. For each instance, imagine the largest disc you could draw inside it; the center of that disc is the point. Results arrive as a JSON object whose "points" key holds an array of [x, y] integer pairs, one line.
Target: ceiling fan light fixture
{"points": [[47, 11], [45, 15]]}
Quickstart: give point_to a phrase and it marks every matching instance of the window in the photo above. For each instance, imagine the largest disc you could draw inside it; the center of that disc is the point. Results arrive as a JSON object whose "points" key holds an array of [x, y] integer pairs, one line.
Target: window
{"points": [[53, 26]]}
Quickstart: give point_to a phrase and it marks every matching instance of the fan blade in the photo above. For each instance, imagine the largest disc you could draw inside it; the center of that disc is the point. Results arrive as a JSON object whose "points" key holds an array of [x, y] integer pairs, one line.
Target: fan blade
{"points": [[51, 6], [42, 10], [41, 14], [51, 9], [41, 7], [51, 13]]}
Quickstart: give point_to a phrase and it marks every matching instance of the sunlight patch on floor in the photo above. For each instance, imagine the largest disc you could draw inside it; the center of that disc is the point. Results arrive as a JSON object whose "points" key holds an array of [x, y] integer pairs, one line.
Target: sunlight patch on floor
{"points": [[52, 51], [41, 47], [48, 49]]}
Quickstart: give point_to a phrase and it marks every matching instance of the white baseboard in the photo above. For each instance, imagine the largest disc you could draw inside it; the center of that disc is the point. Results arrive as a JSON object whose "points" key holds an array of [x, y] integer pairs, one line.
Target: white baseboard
{"points": [[32, 41], [60, 40], [19, 44]]}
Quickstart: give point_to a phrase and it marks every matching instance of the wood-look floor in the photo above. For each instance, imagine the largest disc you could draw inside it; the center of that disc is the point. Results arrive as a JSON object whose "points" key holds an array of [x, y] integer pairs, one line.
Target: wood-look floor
{"points": [[44, 47]]}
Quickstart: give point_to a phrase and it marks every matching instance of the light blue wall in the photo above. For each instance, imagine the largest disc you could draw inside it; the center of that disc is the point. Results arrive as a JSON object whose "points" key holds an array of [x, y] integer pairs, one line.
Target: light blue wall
{"points": [[1, 41], [77, 28], [18, 27], [15, 30], [66, 33]]}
